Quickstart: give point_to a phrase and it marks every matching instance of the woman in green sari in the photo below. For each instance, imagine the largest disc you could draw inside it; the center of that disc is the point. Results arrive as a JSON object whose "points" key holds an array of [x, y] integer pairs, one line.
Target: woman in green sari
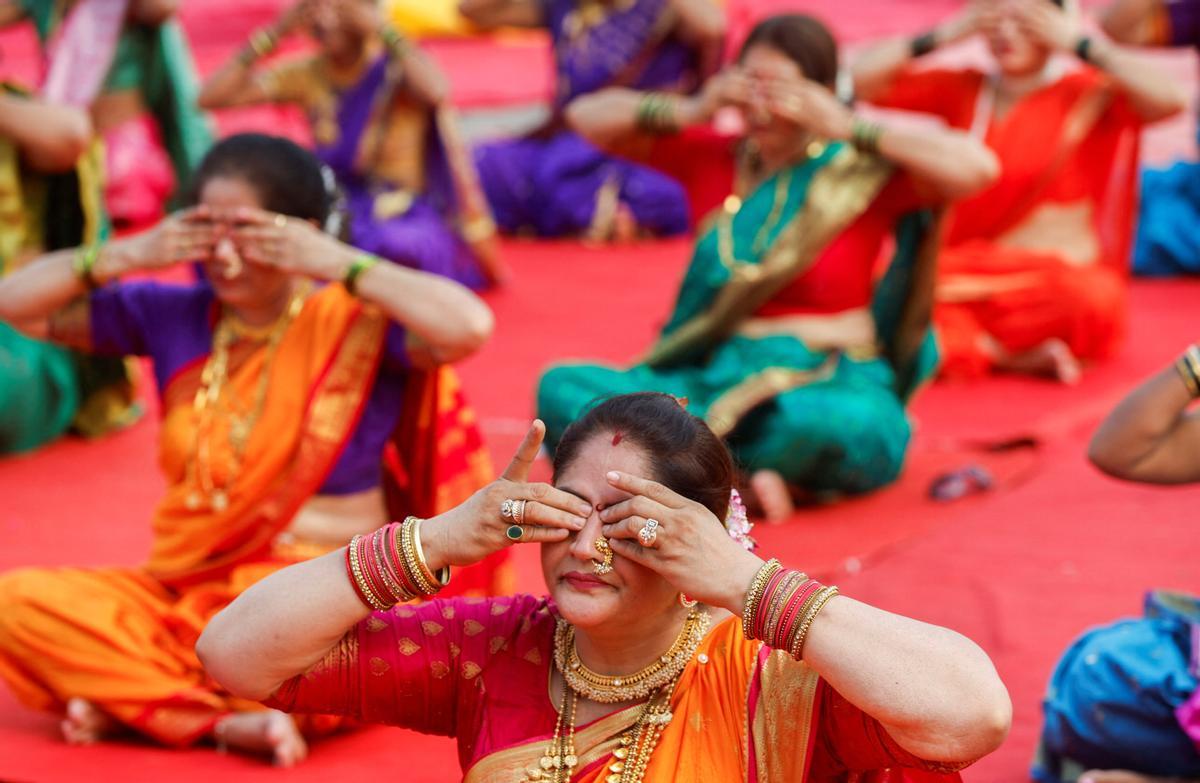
{"points": [[127, 63], [50, 199], [785, 336]]}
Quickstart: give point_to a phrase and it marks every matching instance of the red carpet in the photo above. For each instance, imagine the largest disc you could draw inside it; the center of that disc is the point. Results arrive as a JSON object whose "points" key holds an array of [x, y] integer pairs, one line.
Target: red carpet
{"points": [[1023, 569]]}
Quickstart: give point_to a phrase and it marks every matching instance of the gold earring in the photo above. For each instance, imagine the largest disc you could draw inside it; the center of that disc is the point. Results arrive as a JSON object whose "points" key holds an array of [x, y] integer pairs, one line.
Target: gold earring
{"points": [[685, 602], [603, 548]]}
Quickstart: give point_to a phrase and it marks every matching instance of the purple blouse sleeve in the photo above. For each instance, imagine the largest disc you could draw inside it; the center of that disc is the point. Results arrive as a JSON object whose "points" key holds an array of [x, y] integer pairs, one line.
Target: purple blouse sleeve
{"points": [[131, 318], [1184, 18]]}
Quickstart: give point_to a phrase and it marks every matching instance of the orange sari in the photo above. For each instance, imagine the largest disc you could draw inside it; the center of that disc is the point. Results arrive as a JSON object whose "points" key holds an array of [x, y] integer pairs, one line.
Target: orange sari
{"points": [[1008, 273], [123, 638]]}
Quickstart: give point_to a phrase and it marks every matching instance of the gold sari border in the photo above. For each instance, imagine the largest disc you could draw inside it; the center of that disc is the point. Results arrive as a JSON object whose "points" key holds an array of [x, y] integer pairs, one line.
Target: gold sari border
{"points": [[839, 193], [600, 737]]}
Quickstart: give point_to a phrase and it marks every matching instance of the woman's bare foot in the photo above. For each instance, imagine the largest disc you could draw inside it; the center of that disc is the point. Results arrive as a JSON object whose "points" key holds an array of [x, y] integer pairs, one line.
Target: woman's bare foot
{"points": [[86, 725], [269, 732], [1052, 358], [773, 495], [1123, 776]]}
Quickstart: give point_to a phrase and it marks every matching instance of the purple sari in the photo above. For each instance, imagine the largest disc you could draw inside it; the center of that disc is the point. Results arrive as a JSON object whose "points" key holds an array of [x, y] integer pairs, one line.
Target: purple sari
{"points": [[422, 233], [553, 182]]}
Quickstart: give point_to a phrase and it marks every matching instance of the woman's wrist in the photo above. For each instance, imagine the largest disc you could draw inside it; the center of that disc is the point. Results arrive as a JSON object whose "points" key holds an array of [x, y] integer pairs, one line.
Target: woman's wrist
{"points": [[740, 582], [692, 110], [114, 259], [433, 542]]}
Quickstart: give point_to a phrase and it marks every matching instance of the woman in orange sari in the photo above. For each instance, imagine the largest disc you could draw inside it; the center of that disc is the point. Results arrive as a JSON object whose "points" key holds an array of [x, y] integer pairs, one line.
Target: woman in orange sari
{"points": [[666, 651], [278, 400], [1033, 271]]}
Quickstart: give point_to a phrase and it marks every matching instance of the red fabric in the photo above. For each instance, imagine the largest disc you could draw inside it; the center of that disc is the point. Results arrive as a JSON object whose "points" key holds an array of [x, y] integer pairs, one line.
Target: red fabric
{"points": [[842, 278], [701, 158], [1031, 296]]}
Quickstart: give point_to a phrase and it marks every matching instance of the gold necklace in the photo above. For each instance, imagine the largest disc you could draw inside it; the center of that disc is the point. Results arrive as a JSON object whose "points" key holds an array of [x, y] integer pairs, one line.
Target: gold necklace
{"points": [[558, 761], [614, 689], [638, 743], [210, 403]]}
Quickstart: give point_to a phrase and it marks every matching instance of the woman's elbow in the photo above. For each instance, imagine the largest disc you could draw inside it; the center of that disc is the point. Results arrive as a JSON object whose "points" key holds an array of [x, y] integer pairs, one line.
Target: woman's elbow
{"points": [[220, 658], [479, 323]]}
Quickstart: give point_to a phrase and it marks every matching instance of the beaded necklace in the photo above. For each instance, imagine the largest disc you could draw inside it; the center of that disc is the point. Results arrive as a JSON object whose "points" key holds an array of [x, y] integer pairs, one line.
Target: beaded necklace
{"points": [[636, 745]]}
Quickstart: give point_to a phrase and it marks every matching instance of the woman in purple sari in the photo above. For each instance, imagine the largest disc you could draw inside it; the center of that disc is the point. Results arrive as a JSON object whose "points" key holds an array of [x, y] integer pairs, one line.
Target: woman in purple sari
{"points": [[554, 183], [381, 122]]}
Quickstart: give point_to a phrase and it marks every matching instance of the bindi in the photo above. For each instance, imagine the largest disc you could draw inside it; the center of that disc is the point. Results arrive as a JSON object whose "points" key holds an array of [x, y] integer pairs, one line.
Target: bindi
{"points": [[617, 437]]}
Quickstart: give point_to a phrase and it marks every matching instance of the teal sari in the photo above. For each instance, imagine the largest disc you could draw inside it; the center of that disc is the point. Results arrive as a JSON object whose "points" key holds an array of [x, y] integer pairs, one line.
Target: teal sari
{"points": [[828, 421]]}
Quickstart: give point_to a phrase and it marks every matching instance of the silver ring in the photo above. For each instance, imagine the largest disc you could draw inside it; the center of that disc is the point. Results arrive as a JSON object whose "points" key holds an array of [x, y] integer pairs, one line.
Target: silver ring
{"points": [[506, 508], [518, 512], [649, 532]]}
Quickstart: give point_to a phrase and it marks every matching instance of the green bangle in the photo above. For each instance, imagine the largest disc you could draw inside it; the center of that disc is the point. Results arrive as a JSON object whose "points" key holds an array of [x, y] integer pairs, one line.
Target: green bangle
{"points": [[864, 135], [84, 265], [359, 265]]}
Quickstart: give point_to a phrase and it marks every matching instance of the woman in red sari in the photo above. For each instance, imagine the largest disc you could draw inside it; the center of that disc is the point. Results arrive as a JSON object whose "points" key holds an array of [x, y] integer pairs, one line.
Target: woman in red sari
{"points": [[636, 666], [1032, 274], [279, 401]]}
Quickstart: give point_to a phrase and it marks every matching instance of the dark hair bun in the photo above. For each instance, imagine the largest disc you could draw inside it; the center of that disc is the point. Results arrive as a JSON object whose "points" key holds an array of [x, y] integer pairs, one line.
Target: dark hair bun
{"points": [[286, 176], [685, 455]]}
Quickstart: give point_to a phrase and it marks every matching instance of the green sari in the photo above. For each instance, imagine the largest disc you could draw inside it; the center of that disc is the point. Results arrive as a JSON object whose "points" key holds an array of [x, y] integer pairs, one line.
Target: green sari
{"points": [[45, 388], [157, 61], [827, 421]]}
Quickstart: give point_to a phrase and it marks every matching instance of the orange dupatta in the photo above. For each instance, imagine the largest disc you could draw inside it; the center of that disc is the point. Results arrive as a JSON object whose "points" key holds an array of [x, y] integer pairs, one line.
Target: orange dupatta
{"points": [[320, 380]]}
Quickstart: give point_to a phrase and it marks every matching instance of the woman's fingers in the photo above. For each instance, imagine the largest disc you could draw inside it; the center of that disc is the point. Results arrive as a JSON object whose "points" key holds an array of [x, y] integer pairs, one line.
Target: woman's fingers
{"points": [[629, 528], [522, 461], [636, 506], [533, 534], [636, 485], [537, 513], [631, 550]]}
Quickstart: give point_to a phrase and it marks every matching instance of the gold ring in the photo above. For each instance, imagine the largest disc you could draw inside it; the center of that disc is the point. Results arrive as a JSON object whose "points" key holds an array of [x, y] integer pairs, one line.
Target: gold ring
{"points": [[518, 512]]}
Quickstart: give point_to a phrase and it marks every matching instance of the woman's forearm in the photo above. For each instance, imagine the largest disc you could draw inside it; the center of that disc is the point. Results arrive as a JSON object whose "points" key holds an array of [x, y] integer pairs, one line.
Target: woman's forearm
{"points": [[1133, 22], [952, 162], [876, 66], [449, 320], [423, 79], [40, 288], [1155, 95], [1149, 436], [281, 626], [934, 691], [231, 85], [610, 116], [50, 137]]}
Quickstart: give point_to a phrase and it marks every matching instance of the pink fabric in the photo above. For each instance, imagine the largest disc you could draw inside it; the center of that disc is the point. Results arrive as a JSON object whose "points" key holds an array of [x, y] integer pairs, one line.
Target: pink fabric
{"points": [[80, 55], [475, 669], [138, 174]]}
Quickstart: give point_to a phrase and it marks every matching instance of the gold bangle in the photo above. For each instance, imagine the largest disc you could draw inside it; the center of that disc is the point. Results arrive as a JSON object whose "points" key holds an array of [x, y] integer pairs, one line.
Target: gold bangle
{"points": [[442, 577], [816, 604], [1188, 366], [84, 264], [360, 264], [263, 42], [478, 229], [360, 580], [754, 594]]}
